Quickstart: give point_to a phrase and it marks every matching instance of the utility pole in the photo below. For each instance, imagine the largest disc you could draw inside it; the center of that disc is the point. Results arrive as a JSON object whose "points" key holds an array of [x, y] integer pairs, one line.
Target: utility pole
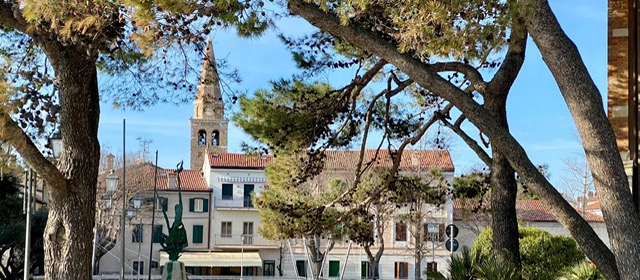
{"points": [[27, 239]]}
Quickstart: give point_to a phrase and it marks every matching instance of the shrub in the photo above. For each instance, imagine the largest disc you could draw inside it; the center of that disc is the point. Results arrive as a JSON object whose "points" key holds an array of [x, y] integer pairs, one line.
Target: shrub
{"points": [[543, 255]]}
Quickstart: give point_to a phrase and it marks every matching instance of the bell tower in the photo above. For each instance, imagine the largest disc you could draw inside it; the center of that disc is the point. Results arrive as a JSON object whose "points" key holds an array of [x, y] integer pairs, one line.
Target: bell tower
{"points": [[208, 125]]}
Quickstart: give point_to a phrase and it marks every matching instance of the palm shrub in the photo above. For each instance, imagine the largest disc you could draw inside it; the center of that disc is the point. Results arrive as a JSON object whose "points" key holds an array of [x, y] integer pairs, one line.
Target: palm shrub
{"points": [[582, 271], [461, 266], [493, 268]]}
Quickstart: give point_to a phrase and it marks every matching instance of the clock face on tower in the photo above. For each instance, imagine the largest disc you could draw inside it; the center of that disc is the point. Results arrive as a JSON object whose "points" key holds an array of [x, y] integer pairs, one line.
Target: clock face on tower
{"points": [[208, 111]]}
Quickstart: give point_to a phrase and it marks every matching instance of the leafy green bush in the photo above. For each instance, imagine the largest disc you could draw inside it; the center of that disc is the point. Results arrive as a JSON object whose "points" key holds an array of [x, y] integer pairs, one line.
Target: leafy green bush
{"points": [[543, 256]]}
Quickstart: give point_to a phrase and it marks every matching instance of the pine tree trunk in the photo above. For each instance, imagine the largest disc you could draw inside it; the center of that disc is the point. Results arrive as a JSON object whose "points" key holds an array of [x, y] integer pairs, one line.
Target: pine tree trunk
{"points": [[69, 231], [504, 220]]}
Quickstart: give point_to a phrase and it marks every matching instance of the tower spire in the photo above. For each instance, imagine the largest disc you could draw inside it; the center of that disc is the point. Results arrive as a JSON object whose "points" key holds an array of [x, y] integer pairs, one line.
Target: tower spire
{"points": [[209, 83]]}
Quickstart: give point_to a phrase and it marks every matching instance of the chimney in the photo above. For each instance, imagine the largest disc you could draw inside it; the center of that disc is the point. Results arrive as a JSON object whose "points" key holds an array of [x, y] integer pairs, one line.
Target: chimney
{"points": [[415, 161], [110, 159], [171, 181]]}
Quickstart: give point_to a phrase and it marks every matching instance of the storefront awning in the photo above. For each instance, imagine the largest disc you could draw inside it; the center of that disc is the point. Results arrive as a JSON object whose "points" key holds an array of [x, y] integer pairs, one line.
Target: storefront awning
{"points": [[216, 259]]}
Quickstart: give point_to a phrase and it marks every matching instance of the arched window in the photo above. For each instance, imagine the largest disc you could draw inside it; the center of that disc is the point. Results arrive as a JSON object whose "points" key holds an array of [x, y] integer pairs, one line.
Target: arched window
{"points": [[202, 138], [215, 138]]}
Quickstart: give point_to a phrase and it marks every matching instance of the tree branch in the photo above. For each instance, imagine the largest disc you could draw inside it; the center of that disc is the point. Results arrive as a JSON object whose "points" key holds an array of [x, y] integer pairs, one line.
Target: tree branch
{"points": [[470, 73], [16, 137], [10, 16], [512, 63], [482, 154], [584, 234]]}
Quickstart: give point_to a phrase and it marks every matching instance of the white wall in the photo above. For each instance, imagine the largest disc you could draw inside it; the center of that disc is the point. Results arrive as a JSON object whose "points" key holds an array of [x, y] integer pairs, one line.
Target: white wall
{"points": [[239, 178]]}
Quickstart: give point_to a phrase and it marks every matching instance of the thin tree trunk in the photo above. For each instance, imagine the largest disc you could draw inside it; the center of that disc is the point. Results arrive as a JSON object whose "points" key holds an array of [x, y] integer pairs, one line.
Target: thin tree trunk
{"points": [[374, 262], [69, 231]]}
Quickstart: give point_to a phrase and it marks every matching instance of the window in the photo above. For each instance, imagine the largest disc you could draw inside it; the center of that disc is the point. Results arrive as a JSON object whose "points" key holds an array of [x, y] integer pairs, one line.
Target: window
{"points": [[365, 268], [437, 236], [269, 268], [137, 233], [154, 264], [248, 270], [401, 231], [138, 267], [202, 138], [402, 270], [248, 190], [215, 138], [247, 233], [198, 205], [156, 235], [227, 191], [302, 270], [334, 268], [225, 230], [162, 203], [197, 234]]}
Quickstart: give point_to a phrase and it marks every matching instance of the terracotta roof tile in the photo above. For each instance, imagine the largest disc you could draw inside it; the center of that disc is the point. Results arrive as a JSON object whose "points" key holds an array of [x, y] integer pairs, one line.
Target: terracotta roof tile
{"points": [[528, 210], [343, 160], [140, 177], [593, 206], [230, 160], [190, 180], [411, 159]]}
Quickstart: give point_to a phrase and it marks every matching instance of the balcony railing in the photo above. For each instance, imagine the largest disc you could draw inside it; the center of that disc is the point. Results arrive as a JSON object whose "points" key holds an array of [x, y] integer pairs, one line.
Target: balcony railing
{"points": [[248, 203], [239, 240], [234, 203]]}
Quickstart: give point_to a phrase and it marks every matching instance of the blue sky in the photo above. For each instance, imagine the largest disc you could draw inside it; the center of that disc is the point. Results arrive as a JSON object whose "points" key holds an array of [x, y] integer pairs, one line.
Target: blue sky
{"points": [[538, 117]]}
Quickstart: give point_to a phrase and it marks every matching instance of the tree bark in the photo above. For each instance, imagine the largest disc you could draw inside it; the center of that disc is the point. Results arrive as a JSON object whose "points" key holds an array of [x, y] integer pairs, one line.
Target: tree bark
{"points": [[374, 262], [504, 189], [421, 73], [504, 220], [68, 234], [585, 104]]}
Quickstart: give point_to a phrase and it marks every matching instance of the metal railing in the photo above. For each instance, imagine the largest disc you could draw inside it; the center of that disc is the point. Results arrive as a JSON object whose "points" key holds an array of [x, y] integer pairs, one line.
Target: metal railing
{"points": [[248, 203], [238, 240]]}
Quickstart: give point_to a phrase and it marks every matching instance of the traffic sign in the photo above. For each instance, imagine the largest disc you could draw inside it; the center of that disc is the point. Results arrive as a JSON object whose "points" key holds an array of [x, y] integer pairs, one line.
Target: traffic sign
{"points": [[456, 244], [451, 227]]}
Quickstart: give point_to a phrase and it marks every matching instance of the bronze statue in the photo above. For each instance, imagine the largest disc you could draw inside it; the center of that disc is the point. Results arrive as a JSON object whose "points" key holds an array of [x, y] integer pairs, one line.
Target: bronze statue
{"points": [[176, 241]]}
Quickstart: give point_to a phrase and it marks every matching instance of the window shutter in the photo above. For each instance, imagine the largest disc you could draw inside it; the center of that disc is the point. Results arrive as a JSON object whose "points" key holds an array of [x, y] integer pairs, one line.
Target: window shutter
{"points": [[334, 268], [157, 234], [405, 270], [191, 204], [165, 202], [205, 205], [197, 234], [442, 233]]}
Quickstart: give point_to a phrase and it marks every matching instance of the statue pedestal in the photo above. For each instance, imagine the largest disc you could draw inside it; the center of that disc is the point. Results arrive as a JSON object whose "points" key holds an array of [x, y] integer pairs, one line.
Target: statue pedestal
{"points": [[174, 271]]}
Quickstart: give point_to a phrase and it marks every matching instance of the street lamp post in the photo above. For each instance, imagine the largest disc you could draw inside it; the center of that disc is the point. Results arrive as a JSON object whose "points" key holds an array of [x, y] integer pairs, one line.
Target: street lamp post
{"points": [[241, 256], [124, 196], [55, 143]]}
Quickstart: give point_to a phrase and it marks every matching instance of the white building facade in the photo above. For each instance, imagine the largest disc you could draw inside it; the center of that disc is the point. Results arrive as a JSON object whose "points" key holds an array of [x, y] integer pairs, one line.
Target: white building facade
{"points": [[223, 226]]}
